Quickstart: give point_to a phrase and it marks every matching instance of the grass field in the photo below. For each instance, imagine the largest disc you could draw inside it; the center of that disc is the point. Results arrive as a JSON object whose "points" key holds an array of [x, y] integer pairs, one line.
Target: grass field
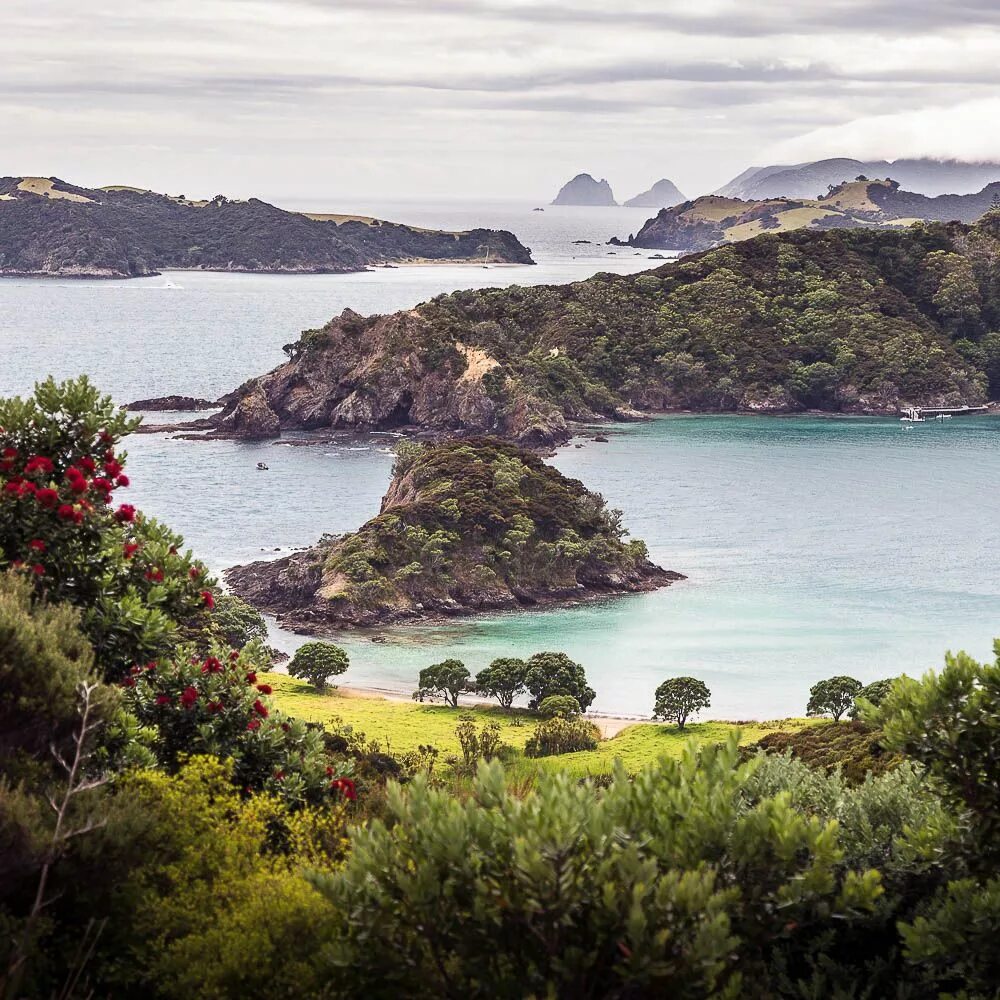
{"points": [[400, 726]]}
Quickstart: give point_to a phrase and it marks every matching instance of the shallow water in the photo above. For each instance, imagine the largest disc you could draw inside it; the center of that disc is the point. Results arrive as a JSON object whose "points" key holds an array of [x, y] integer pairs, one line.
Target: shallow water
{"points": [[812, 546]]}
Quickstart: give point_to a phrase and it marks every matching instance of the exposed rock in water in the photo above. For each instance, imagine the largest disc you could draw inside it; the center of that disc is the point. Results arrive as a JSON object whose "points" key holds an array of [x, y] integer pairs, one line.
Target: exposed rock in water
{"points": [[171, 403], [465, 526], [584, 190], [250, 419]]}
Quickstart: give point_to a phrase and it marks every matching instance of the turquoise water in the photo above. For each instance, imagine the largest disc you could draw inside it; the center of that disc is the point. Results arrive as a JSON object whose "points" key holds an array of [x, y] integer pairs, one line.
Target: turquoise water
{"points": [[811, 546]]}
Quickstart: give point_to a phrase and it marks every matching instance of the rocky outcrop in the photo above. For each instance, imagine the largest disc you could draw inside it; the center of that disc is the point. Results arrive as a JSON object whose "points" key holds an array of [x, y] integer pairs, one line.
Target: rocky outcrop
{"points": [[464, 527], [663, 194], [584, 190], [250, 419], [175, 404]]}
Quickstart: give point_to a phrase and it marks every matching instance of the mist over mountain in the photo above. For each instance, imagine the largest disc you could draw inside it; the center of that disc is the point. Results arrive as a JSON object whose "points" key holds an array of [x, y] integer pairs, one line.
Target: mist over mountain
{"points": [[813, 179]]}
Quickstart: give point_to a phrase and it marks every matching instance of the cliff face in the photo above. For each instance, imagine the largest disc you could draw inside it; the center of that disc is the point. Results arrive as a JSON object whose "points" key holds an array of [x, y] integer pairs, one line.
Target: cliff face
{"points": [[464, 527], [663, 194], [844, 321], [48, 227], [584, 190]]}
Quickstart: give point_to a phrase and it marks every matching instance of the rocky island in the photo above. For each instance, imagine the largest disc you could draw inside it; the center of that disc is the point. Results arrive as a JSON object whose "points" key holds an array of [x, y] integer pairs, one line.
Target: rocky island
{"points": [[49, 228], [465, 527], [663, 194], [584, 190], [844, 321]]}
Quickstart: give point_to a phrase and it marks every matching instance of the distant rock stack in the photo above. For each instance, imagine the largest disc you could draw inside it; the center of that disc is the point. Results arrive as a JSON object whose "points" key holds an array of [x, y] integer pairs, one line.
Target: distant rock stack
{"points": [[663, 194], [584, 190]]}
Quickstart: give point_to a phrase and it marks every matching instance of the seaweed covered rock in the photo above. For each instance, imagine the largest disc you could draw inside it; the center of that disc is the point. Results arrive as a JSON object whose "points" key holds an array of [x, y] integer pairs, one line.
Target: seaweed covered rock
{"points": [[465, 526]]}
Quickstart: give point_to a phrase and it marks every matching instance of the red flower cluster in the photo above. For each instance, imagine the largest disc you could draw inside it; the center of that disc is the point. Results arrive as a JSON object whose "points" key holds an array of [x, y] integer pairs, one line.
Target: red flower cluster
{"points": [[190, 696], [345, 787]]}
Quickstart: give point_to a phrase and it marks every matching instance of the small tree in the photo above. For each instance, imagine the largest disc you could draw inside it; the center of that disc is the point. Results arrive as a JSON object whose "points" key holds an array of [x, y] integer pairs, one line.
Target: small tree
{"points": [[680, 697], [317, 662], [503, 679], [556, 673], [874, 693], [559, 706], [445, 680], [476, 746], [834, 696], [238, 622]]}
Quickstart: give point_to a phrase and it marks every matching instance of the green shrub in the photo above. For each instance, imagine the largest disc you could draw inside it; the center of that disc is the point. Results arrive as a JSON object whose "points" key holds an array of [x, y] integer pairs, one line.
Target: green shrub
{"points": [[559, 706], [445, 680], [237, 622], [558, 735], [317, 662]]}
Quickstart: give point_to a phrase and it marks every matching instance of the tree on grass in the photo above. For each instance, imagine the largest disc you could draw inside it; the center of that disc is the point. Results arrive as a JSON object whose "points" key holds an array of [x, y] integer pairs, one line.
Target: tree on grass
{"points": [[679, 698], [874, 693], [556, 673], [445, 680], [834, 696], [503, 679], [317, 662]]}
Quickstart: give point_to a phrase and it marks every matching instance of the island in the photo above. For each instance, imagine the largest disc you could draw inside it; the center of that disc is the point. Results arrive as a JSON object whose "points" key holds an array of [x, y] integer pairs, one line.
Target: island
{"points": [[839, 321], [715, 219], [663, 194], [465, 527], [584, 190], [49, 228]]}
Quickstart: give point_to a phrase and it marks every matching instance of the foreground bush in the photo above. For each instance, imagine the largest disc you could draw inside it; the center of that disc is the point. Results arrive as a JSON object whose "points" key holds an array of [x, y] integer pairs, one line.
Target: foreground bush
{"points": [[683, 882]]}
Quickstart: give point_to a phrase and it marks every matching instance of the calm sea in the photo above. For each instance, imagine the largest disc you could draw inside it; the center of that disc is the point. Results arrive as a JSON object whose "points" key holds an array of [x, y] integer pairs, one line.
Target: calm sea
{"points": [[812, 546]]}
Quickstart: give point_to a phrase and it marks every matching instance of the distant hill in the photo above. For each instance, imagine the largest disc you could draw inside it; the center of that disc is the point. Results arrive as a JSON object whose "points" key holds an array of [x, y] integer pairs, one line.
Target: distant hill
{"points": [[713, 219], [663, 194], [51, 228], [584, 190], [811, 180]]}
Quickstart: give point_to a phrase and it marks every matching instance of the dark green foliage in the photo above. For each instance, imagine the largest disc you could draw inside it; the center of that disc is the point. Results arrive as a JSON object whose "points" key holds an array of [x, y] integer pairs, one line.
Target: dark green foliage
{"points": [[236, 622], [556, 673], [678, 698], [854, 747], [317, 662], [834, 696], [445, 680], [874, 693], [503, 679], [559, 706], [561, 734]]}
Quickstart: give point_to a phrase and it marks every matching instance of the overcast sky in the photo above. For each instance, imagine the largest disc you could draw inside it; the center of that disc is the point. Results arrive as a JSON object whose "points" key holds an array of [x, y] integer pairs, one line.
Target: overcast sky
{"points": [[347, 99]]}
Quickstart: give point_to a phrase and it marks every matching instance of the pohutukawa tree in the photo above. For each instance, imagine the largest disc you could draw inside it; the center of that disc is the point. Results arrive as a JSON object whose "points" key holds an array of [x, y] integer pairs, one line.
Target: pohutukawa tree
{"points": [[503, 679], [317, 662], [678, 698], [834, 696], [556, 673], [445, 680]]}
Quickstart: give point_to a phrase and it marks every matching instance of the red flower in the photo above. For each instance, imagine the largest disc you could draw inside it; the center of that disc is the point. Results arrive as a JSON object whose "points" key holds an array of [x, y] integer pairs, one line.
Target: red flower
{"points": [[105, 438], [264, 689], [38, 463], [151, 665], [211, 666], [234, 655], [13, 487], [194, 572], [129, 682], [122, 480], [346, 788], [100, 485], [260, 708], [206, 596], [130, 549], [251, 678], [28, 489], [66, 512], [155, 574], [279, 775], [113, 467], [215, 706], [253, 725], [38, 569], [329, 772], [163, 699], [47, 498], [87, 463], [6, 464], [126, 512], [10, 453], [37, 544], [189, 697]]}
